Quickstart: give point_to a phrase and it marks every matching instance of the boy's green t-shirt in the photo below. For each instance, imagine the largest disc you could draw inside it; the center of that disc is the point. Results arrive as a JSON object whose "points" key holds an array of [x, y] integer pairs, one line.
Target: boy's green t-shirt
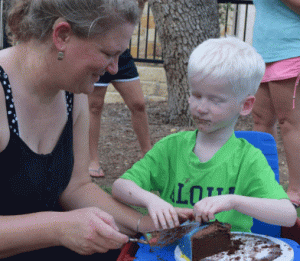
{"points": [[172, 168]]}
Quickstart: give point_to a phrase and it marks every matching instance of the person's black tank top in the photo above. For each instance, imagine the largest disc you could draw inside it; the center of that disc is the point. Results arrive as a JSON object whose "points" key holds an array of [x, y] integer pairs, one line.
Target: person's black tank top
{"points": [[32, 182]]}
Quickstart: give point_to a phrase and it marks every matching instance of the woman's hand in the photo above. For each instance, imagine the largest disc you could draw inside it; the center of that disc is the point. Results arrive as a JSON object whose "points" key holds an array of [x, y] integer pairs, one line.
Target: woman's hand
{"points": [[89, 230], [205, 209], [162, 213]]}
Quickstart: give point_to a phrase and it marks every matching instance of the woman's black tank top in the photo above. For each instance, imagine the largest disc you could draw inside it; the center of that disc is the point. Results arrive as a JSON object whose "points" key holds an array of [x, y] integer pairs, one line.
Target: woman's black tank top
{"points": [[33, 182]]}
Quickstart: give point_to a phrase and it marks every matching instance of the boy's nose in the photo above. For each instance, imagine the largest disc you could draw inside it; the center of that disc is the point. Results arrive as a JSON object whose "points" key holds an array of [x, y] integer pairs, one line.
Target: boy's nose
{"points": [[202, 106], [113, 67]]}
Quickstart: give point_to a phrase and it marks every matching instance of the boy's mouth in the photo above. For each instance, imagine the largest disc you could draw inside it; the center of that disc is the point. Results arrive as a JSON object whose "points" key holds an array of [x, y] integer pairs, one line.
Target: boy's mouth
{"points": [[202, 121]]}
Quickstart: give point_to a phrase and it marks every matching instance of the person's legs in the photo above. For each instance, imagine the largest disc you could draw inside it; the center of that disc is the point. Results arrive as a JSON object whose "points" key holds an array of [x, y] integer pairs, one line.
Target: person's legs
{"points": [[96, 103], [263, 111], [288, 119], [132, 95]]}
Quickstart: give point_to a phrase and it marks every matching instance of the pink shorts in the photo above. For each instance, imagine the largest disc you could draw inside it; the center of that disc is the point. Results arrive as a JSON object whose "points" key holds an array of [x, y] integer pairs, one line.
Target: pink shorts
{"points": [[282, 70]]}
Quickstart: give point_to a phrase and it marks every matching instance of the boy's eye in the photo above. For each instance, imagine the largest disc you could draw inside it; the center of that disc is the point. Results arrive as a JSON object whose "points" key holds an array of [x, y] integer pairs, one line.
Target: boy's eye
{"points": [[197, 96], [216, 101]]}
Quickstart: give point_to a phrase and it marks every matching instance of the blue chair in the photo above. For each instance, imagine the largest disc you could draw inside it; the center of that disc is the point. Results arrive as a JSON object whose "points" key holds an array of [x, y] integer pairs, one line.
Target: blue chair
{"points": [[267, 144]]}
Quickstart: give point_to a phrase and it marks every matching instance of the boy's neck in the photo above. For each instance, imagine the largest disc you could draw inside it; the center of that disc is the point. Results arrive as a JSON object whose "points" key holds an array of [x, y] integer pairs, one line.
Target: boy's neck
{"points": [[208, 144]]}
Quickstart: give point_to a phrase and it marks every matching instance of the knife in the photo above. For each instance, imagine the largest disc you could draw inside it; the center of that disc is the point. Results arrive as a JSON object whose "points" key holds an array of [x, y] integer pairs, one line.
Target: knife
{"points": [[166, 237]]}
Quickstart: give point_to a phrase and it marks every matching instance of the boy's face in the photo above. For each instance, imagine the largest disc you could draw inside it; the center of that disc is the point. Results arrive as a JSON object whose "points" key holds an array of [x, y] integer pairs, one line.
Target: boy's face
{"points": [[213, 105]]}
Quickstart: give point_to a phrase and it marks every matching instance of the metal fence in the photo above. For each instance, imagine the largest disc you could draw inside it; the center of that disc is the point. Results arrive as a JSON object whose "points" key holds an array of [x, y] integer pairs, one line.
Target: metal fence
{"points": [[236, 18]]}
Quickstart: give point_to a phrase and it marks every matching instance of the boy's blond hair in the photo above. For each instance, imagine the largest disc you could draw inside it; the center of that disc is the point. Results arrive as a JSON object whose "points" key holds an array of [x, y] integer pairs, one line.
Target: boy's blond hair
{"points": [[229, 60]]}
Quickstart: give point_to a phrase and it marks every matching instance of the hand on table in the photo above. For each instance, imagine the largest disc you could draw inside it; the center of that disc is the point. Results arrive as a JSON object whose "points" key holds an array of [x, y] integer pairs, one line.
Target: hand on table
{"points": [[90, 230], [205, 209]]}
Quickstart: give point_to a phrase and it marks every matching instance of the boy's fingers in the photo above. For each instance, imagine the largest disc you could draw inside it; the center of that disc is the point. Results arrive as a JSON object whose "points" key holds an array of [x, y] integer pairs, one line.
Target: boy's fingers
{"points": [[162, 220], [170, 221], [205, 218], [211, 216], [198, 218], [155, 220], [171, 218], [175, 217]]}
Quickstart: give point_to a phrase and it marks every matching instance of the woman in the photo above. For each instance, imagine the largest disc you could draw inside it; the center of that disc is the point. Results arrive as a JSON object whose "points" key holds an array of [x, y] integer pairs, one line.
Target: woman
{"points": [[276, 38], [50, 205]]}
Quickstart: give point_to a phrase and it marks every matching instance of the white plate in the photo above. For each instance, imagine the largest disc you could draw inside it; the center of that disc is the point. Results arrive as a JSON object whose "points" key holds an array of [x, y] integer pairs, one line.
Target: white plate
{"points": [[247, 253]]}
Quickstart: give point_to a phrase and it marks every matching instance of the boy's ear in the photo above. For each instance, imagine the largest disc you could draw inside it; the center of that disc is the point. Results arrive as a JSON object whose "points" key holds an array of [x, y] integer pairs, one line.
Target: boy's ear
{"points": [[61, 33], [247, 105]]}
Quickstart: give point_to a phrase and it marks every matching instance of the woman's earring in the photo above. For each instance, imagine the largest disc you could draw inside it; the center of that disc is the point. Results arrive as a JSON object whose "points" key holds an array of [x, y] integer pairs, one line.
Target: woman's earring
{"points": [[60, 55]]}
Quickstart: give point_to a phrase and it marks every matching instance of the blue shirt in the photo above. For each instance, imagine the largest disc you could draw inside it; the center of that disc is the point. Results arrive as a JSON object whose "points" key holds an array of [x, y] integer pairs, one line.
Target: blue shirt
{"points": [[276, 33]]}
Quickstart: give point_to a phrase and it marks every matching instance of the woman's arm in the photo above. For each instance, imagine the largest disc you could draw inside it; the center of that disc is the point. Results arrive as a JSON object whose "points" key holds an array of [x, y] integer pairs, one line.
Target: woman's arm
{"points": [[85, 231], [82, 192], [25, 233], [293, 5]]}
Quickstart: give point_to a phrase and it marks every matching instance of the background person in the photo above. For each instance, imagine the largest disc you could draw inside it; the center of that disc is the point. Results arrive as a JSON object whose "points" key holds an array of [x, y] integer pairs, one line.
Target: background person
{"points": [[276, 37], [51, 207], [128, 84], [209, 170]]}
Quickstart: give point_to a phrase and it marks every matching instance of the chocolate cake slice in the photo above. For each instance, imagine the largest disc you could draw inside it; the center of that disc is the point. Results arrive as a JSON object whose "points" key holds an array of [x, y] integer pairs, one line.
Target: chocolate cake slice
{"points": [[211, 240], [206, 241]]}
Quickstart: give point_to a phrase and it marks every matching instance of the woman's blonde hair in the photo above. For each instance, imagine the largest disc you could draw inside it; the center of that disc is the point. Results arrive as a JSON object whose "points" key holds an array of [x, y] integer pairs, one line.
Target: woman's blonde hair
{"points": [[28, 19]]}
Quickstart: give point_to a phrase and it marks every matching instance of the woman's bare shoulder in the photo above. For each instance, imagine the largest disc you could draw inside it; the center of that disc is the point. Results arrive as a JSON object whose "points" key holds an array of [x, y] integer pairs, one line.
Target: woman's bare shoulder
{"points": [[5, 58], [4, 54]]}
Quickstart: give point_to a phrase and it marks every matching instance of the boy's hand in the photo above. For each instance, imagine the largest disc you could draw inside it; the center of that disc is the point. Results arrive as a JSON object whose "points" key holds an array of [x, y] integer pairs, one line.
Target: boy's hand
{"points": [[185, 214], [205, 209], [162, 213]]}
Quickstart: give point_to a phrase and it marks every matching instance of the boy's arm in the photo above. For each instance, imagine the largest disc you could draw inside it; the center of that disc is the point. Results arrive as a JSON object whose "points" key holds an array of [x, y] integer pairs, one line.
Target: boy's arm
{"points": [[130, 193], [274, 211], [162, 213]]}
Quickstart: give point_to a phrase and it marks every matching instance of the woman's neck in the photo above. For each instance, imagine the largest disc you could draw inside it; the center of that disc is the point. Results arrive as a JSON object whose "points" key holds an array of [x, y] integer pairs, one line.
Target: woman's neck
{"points": [[30, 70]]}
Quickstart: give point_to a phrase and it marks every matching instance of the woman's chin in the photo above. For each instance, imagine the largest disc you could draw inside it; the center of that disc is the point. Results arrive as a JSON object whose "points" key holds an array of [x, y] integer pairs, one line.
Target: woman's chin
{"points": [[88, 89]]}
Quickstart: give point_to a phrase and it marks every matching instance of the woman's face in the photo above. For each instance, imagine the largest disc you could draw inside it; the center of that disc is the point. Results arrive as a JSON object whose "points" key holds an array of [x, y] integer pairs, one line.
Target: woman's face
{"points": [[88, 59]]}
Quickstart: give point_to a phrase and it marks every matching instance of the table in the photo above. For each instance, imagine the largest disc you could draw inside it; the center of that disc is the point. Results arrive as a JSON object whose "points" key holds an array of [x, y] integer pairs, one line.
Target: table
{"points": [[136, 251]]}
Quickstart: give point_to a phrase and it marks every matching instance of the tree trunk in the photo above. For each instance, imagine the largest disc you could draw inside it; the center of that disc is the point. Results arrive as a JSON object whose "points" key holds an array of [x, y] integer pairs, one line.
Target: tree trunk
{"points": [[181, 26]]}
